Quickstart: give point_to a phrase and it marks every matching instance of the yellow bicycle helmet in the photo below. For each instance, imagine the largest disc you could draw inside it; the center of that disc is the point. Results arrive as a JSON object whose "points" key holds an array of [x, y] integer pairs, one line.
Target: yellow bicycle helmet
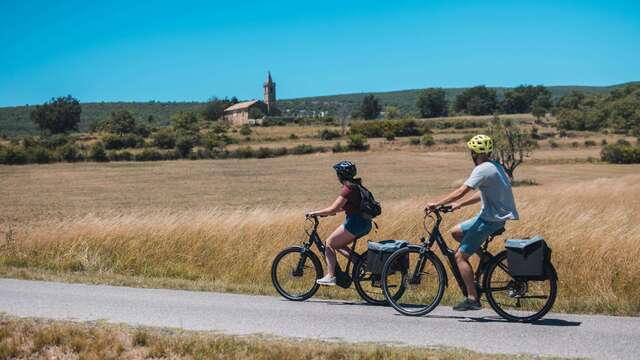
{"points": [[480, 144]]}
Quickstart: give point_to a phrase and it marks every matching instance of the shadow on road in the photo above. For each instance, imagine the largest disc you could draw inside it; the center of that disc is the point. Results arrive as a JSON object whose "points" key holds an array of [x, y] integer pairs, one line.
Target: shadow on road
{"points": [[543, 322], [480, 319]]}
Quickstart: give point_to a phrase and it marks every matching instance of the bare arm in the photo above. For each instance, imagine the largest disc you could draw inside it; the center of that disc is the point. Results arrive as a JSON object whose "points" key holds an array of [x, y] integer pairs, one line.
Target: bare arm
{"points": [[337, 206], [475, 198], [456, 194]]}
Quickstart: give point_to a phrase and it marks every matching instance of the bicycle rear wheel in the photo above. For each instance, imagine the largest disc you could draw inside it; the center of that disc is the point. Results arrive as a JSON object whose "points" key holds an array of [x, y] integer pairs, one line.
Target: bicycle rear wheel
{"points": [[294, 272], [423, 280], [369, 285], [518, 300]]}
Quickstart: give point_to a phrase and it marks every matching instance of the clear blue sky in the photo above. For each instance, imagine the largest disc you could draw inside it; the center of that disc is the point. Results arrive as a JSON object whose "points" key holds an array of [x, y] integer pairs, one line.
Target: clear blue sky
{"points": [[192, 50]]}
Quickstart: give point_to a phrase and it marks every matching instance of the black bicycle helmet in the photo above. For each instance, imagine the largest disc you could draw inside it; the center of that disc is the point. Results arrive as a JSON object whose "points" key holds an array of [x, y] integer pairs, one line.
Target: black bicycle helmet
{"points": [[346, 170]]}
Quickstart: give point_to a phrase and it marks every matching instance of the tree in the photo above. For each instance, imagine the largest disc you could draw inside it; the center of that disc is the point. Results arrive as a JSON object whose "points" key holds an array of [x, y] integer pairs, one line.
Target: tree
{"points": [[391, 112], [214, 108], [523, 98], [59, 115], [478, 100], [185, 122], [121, 122], [370, 107], [432, 103], [511, 144]]}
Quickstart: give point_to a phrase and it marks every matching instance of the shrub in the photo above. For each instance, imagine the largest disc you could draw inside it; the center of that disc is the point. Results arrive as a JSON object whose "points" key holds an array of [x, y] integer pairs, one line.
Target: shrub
{"points": [[358, 142], [620, 154], [281, 151], [116, 142], [575, 144], [589, 143], [450, 141], [389, 135], [70, 152], [120, 155], [293, 136], [263, 152], [13, 155], [327, 134], [184, 144], [246, 152], [97, 153], [604, 142], [427, 140], [382, 128], [55, 141], [414, 141], [164, 139], [553, 144], [623, 142], [304, 149], [338, 147], [245, 130], [39, 154], [148, 155]]}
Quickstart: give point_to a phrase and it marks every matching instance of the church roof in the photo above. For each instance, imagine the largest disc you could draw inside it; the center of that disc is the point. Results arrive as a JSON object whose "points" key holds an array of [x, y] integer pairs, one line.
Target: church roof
{"points": [[241, 105]]}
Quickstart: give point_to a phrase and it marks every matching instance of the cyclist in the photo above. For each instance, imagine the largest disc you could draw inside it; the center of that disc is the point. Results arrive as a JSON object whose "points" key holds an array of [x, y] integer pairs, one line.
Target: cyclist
{"points": [[498, 206], [354, 225]]}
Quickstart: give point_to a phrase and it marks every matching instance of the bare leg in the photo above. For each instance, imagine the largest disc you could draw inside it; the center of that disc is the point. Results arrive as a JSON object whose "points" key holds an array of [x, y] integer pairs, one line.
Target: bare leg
{"points": [[462, 260], [337, 241]]}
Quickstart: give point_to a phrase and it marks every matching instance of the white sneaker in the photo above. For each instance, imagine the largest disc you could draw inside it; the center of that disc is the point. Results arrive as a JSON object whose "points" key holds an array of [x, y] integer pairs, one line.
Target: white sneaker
{"points": [[327, 281]]}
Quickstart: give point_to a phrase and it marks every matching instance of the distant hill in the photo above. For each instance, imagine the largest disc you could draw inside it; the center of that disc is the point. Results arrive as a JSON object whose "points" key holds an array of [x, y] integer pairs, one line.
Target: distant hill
{"points": [[405, 100], [15, 120]]}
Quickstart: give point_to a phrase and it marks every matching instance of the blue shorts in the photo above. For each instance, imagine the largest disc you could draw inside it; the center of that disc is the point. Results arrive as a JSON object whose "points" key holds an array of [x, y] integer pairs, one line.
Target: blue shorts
{"points": [[357, 225], [476, 231]]}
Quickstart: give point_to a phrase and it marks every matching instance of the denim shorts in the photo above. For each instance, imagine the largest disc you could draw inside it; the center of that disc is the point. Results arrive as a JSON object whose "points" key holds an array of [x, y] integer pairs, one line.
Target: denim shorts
{"points": [[357, 225], [475, 232]]}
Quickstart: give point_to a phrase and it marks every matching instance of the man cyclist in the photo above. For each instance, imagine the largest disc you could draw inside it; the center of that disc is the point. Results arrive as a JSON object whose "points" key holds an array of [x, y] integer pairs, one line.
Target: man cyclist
{"points": [[498, 206]]}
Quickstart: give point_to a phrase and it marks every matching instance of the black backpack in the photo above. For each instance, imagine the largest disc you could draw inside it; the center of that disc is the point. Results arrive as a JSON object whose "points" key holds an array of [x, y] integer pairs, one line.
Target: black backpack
{"points": [[369, 207]]}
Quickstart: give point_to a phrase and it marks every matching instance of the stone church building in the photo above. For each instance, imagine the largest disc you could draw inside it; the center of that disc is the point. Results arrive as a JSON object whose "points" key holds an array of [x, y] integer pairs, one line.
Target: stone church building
{"points": [[252, 112]]}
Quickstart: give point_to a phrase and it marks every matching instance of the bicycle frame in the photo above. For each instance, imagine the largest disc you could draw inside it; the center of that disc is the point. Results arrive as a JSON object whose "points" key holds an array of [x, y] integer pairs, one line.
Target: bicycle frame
{"points": [[314, 238], [436, 237]]}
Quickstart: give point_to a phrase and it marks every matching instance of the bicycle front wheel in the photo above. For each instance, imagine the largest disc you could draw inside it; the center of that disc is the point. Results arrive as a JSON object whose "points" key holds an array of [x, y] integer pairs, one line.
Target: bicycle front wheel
{"points": [[422, 277], [294, 272], [515, 299]]}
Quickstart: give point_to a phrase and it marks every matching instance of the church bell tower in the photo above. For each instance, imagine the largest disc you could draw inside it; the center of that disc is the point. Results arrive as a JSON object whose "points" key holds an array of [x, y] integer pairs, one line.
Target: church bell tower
{"points": [[269, 88]]}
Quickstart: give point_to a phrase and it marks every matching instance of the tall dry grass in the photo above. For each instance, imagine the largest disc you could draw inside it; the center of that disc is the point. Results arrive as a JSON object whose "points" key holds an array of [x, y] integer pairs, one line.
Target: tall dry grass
{"points": [[593, 228]]}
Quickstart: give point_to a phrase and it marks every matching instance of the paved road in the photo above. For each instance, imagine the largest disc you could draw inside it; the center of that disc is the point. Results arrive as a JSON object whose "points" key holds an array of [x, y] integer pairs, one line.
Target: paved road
{"points": [[559, 335]]}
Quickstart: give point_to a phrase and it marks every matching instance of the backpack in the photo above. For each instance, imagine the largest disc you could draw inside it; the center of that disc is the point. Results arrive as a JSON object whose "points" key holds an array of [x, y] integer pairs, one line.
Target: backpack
{"points": [[369, 207]]}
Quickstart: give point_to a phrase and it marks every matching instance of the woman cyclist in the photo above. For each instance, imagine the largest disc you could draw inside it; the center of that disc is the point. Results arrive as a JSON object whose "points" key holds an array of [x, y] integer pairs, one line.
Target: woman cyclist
{"points": [[354, 226]]}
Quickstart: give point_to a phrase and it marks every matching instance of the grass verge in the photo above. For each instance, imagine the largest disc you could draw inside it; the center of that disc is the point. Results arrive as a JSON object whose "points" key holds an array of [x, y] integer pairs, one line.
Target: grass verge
{"points": [[44, 339]]}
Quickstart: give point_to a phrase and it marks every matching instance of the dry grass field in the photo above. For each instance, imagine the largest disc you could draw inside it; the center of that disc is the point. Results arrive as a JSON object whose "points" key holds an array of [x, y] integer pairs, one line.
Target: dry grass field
{"points": [[216, 225], [37, 339]]}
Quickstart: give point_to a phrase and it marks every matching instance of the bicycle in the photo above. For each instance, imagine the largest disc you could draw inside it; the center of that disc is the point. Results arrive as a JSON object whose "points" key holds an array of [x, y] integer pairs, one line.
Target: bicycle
{"points": [[294, 271], [515, 299]]}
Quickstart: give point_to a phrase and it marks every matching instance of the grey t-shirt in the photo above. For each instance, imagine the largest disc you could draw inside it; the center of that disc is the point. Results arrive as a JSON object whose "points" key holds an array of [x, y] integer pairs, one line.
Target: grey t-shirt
{"points": [[498, 203]]}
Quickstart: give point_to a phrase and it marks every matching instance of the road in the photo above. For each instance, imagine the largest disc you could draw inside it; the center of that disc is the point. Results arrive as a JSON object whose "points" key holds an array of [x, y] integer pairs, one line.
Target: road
{"points": [[563, 335]]}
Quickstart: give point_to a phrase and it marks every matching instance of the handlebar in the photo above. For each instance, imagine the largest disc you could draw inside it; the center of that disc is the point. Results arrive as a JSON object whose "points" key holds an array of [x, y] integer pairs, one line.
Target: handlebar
{"points": [[439, 209]]}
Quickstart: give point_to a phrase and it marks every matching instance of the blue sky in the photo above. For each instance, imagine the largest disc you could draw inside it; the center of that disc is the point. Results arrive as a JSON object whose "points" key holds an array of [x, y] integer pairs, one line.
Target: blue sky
{"points": [[192, 50]]}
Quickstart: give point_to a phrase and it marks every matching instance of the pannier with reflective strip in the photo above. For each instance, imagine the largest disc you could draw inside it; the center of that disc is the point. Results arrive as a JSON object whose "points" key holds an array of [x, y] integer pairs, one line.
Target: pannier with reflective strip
{"points": [[527, 257], [379, 252]]}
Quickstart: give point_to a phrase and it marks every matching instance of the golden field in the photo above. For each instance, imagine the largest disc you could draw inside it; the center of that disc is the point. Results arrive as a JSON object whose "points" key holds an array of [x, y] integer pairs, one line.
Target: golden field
{"points": [[216, 225]]}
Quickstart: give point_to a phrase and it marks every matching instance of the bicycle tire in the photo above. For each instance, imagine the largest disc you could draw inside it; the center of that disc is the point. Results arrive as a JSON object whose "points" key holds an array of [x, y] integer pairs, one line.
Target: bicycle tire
{"points": [[441, 278], [317, 268]]}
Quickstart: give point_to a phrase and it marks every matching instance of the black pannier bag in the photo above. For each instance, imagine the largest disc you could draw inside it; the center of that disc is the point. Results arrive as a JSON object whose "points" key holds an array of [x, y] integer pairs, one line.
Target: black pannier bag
{"points": [[379, 252], [527, 258]]}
